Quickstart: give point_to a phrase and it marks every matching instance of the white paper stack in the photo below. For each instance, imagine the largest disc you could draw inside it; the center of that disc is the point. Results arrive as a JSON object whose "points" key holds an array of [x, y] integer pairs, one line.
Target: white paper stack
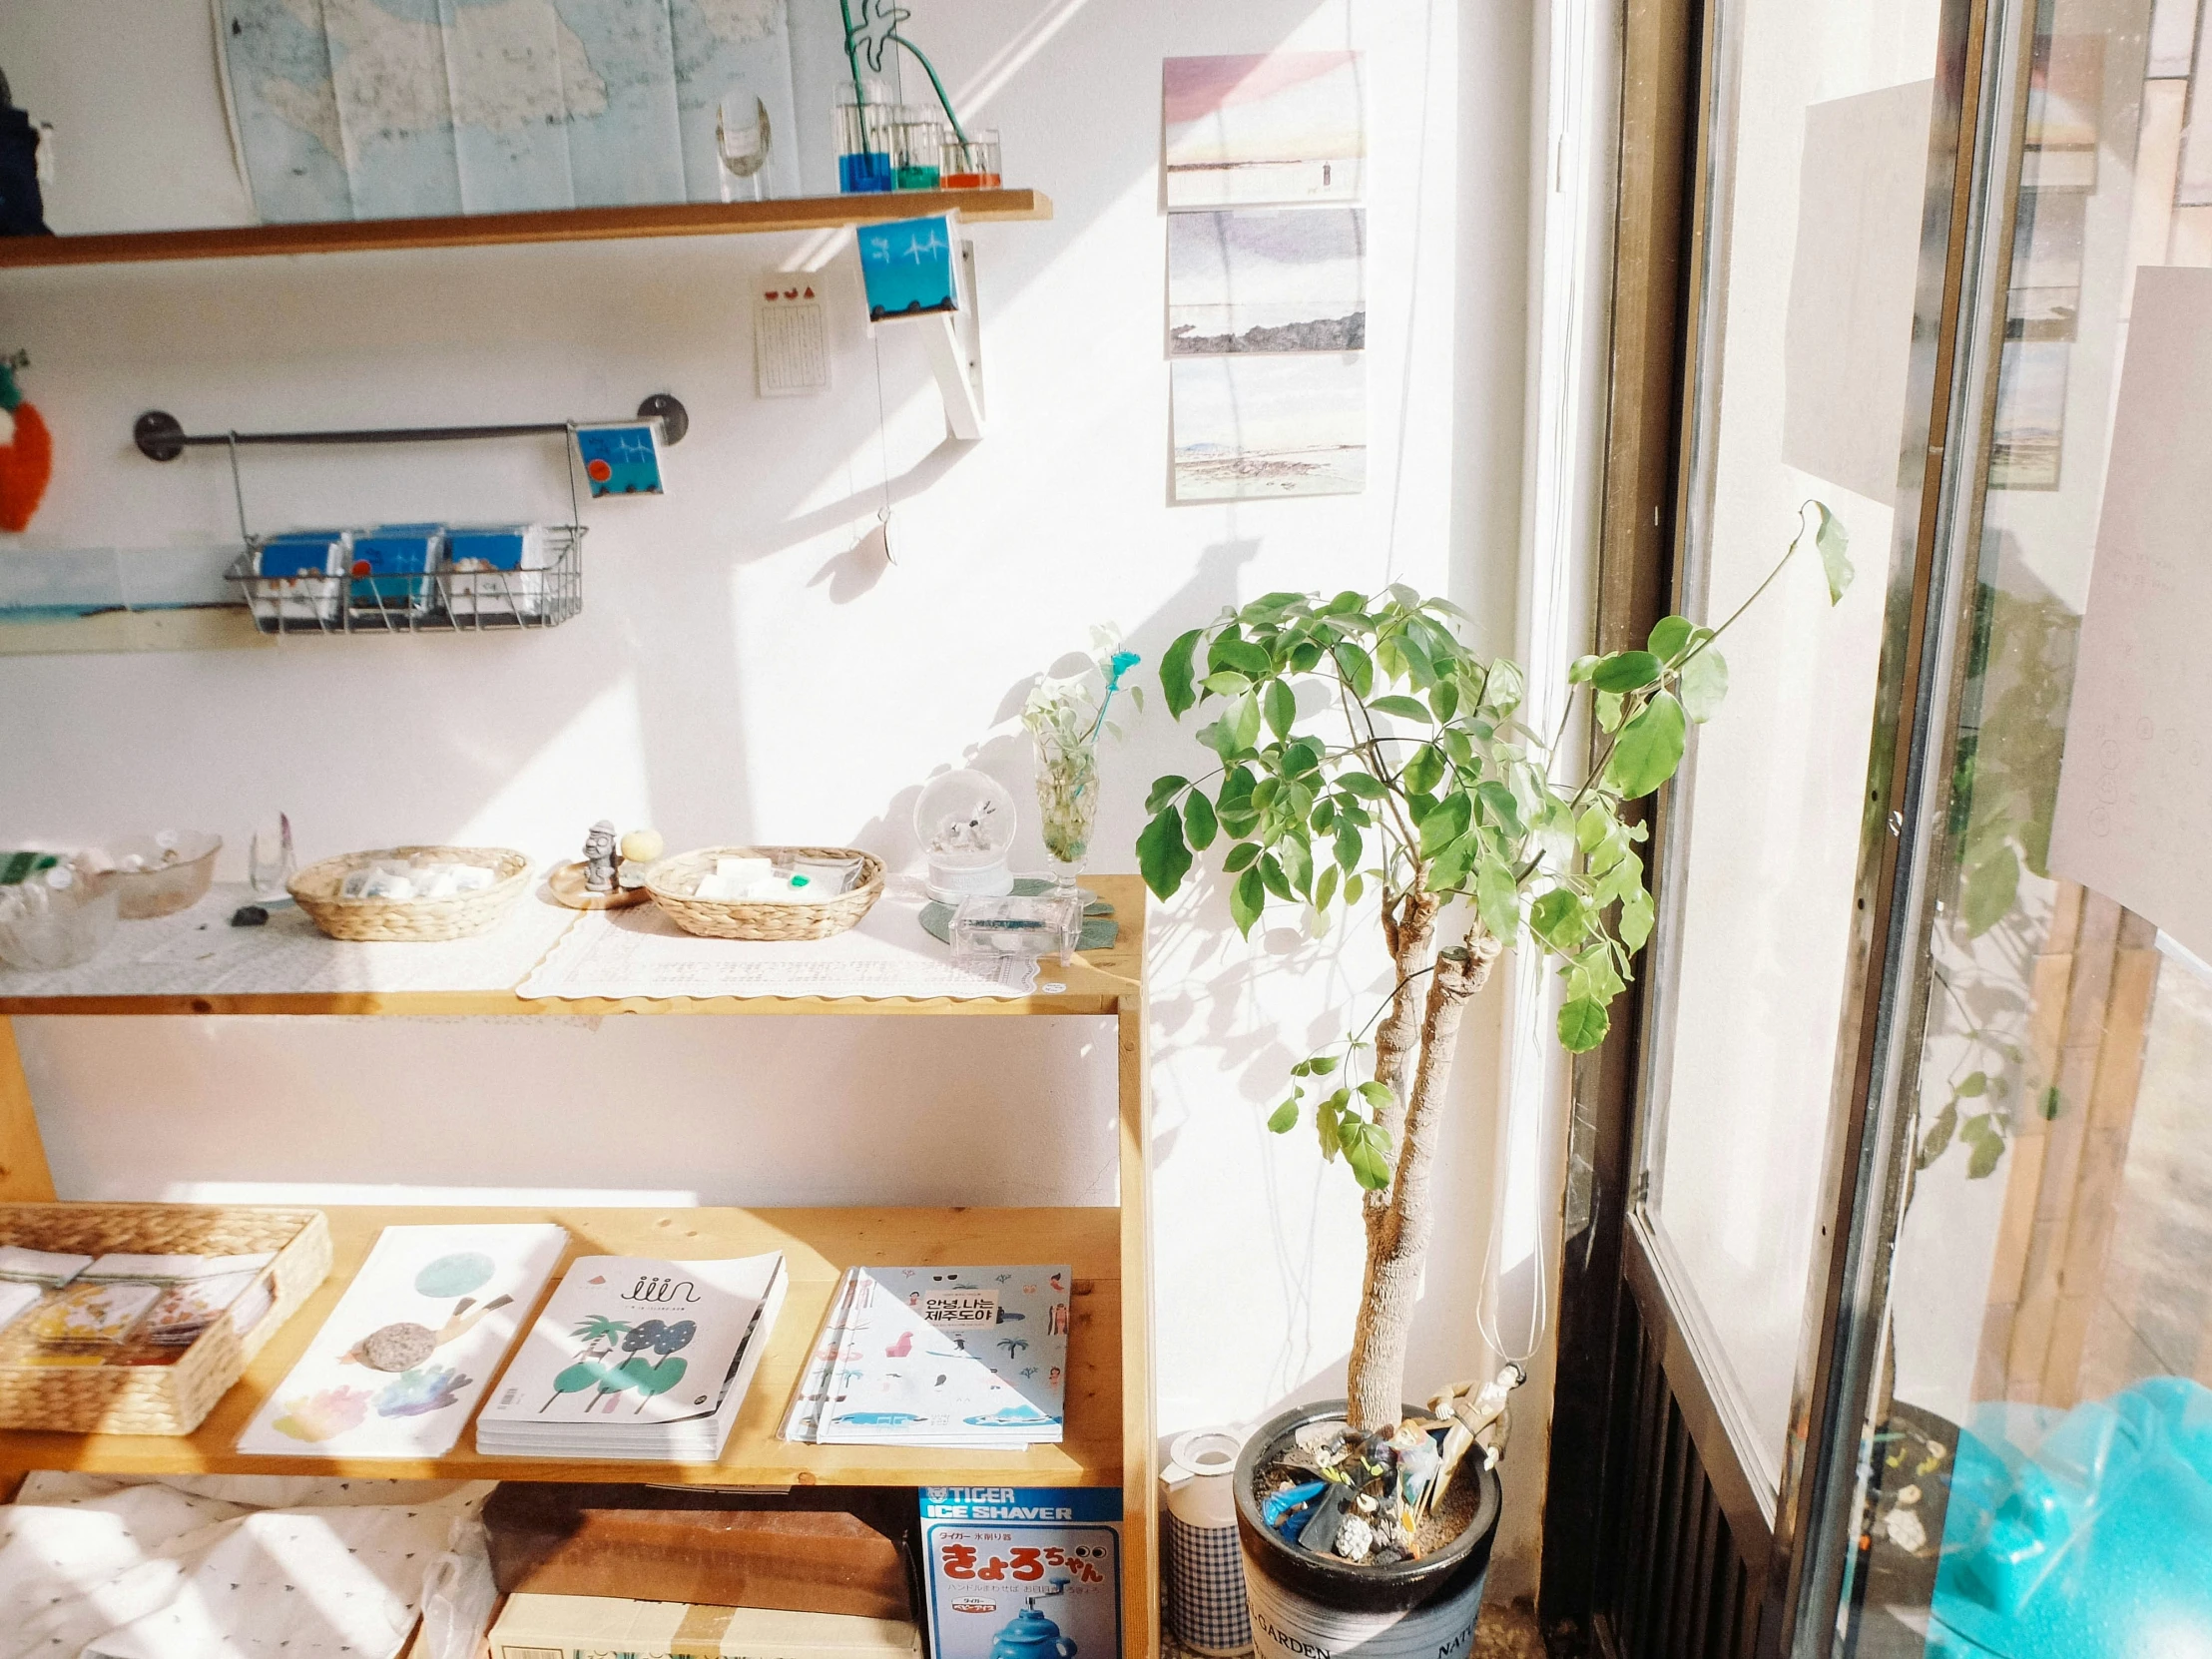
{"points": [[939, 1357], [636, 1358]]}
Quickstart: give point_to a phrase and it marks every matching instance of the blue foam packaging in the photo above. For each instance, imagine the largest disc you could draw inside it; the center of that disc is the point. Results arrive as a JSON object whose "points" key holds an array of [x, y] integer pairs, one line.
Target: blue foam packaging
{"points": [[392, 566]]}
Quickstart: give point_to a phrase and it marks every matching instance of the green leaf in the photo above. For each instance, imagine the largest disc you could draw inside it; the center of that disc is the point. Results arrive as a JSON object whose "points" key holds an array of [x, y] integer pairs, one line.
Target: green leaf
{"points": [[1609, 711], [1637, 914], [1325, 886], [1164, 790], [1349, 845], [1425, 770], [1326, 1116], [1703, 685], [1357, 667], [1243, 721], [1498, 802], [1445, 700], [1285, 1118], [1280, 708], [1987, 1147], [1447, 824], [1270, 874], [1162, 858], [1360, 785], [1937, 1138], [1355, 887], [1648, 750], [1558, 918], [1669, 635], [1199, 822], [1245, 899], [1450, 870], [1406, 707], [1225, 683], [1298, 866], [1240, 856], [1834, 542], [1582, 1025], [1233, 650], [1301, 756], [1975, 1086], [1175, 673], [1367, 1150], [1582, 668], [1498, 899], [1992, 885], [1502, 686], [1377, 1095], [1627, 671]]}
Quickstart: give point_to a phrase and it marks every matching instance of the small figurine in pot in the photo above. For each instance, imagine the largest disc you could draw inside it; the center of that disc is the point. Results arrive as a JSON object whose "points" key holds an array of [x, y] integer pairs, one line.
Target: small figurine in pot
{"points": [[599, 858]]}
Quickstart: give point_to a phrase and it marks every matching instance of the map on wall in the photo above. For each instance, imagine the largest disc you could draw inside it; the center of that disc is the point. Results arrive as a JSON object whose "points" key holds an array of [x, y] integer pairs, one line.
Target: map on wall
{"points": [[394, 109]]}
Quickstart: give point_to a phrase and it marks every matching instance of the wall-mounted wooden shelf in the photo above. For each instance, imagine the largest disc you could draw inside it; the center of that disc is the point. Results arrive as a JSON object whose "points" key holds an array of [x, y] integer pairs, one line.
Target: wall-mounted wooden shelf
{"points": [[684, 218]]}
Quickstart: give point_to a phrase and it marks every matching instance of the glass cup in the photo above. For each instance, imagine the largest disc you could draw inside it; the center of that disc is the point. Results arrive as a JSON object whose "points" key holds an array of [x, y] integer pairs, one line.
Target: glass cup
{"points": [[970, 163], [741, 140], [917, 145], [269, 864], [866, 132]]}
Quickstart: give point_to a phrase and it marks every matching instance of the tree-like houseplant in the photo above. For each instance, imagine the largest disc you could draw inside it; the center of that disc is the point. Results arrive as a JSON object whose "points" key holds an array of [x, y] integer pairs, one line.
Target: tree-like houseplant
{"points": [[1363, 752]]}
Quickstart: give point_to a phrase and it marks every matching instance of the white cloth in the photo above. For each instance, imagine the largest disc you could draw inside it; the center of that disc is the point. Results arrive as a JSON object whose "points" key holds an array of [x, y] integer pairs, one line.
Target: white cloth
{"points": [[170, 1570]]}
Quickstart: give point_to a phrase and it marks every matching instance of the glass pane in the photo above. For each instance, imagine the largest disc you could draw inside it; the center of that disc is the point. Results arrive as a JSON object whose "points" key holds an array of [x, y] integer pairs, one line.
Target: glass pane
{"points": [[1807, 326], [2040, 1470]]}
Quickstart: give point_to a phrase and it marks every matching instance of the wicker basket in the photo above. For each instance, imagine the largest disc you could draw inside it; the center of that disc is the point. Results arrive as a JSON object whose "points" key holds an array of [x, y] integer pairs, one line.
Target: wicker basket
{"points": [[317, 890], [159, 1400], [672, 880]]}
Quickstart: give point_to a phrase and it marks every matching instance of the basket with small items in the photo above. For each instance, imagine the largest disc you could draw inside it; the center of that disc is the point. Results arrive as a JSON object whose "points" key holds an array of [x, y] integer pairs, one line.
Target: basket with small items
{"points": [[412, 892], [766, 892], [135, 1318]]}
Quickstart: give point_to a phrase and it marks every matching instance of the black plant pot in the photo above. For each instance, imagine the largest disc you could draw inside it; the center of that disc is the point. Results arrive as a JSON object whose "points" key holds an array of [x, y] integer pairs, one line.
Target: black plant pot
{"points": [[1307, 1606]]}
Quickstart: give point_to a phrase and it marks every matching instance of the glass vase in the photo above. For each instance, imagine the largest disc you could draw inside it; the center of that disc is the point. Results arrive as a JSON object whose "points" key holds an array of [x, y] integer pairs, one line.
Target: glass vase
{"points": [[1067, 795]]}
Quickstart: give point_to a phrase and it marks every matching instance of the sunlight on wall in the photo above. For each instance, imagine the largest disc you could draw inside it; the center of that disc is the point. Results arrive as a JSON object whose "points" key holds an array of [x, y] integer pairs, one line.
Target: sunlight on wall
{"points": [[599, 753]]}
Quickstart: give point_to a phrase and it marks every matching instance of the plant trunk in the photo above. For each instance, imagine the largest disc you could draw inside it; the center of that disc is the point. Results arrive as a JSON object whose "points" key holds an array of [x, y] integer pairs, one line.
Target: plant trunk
{"points": [[1398, 1229]]}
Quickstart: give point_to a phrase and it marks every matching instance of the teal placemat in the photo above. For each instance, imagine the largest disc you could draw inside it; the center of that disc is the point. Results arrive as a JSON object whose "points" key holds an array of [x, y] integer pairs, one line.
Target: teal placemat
{"points": [[1100, 930]]}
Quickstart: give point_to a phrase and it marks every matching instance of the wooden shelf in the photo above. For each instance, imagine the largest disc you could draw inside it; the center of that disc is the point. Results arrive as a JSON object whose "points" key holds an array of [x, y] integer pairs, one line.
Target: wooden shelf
{"points": [[1097, 983], [819, 1245], [684, 218]]}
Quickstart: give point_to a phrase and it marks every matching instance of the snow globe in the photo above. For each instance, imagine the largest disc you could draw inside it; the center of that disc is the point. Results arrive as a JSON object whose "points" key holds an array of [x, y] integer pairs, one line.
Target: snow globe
{"points": [[965, 823]]}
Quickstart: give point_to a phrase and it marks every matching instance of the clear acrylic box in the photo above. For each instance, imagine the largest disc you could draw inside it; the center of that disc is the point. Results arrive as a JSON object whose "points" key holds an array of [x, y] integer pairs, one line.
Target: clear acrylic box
{"points": [[987, 928]]}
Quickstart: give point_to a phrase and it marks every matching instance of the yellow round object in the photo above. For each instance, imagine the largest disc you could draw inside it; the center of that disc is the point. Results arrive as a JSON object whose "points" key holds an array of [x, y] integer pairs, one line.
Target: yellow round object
{"points": [[642, 846]]}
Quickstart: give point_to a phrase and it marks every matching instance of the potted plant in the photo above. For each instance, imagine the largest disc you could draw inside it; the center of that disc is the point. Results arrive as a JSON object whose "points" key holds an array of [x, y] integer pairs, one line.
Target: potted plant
{"points": [[1365, 753]]}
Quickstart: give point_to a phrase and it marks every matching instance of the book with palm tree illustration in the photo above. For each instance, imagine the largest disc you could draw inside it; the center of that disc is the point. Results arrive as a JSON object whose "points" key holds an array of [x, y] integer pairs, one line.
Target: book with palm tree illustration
{"points": [[938, 1357], [637, 1358]]}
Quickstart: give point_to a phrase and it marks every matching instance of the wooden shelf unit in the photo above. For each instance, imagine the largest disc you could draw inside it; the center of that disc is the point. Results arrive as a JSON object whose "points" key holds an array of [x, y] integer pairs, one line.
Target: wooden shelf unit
{"points": [[682, 219], [1108, 1441]]}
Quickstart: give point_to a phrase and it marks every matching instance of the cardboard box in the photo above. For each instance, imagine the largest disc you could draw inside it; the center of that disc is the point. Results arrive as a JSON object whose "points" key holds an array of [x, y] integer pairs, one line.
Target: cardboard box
{"points": [[804, 1552], [597, 1627], [997, 1554]]}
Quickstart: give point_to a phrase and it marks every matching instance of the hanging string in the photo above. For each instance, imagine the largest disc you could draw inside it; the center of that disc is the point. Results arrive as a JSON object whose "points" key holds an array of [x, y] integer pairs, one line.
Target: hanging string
{"points": [[882, 452], [238, 492]]}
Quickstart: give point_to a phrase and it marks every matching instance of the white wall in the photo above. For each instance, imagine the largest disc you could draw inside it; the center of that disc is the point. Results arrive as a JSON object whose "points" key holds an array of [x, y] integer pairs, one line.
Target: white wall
{"points": [[743, 670]]}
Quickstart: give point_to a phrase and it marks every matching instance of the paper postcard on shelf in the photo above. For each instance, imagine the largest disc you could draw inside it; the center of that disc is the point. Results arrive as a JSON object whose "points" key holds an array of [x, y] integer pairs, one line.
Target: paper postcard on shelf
{"points": [[935, 1356], [412, 1346]]}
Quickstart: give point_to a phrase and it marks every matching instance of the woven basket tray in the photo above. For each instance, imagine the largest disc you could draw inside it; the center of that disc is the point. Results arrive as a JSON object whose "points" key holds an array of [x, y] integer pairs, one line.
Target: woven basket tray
{"points": [[157, 1399], [670, 881], [317, 890]]}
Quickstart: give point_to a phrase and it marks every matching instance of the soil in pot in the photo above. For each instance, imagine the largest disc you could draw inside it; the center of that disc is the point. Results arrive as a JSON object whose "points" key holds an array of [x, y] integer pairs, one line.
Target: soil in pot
{"points": [[1327, 1452]]}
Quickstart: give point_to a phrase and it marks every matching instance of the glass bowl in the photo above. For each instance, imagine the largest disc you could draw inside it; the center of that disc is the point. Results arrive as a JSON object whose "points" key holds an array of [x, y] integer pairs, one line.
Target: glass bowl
{"points": [[162, 874], [70, 929]]}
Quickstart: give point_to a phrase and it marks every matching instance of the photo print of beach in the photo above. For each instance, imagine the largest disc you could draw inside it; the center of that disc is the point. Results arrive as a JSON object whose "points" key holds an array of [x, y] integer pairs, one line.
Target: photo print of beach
{"points": [[1274, 127], [1267, 279], [1248, 426]]}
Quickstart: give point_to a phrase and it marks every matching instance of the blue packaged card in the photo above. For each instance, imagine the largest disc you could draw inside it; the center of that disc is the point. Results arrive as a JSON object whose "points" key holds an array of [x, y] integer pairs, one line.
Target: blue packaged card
{"points": [[906, 266], [1022, 1569], [487, 547], [621, 457], [392, 565], [302, 553]]}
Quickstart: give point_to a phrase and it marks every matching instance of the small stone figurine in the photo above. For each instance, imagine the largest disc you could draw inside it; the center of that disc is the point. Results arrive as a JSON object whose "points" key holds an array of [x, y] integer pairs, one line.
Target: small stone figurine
{"points": [[599, 858]]}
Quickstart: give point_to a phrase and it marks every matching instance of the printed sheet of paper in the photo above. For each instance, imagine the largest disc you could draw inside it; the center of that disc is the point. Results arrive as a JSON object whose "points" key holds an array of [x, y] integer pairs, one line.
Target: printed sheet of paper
{"points": [[412, 1346], [2135, 787]]}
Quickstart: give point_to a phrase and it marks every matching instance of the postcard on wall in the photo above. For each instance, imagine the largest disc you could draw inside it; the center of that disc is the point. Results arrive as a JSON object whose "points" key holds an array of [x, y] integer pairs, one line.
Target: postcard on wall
{"points": [[1259, 426], [1267, 279], [1267, 126], [2135, 784], [412, 1346]]}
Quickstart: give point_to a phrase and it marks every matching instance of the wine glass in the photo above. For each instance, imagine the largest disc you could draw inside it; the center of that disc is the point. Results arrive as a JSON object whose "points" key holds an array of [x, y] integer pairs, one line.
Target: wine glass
{"points": [[741, 140], [270, 861]]}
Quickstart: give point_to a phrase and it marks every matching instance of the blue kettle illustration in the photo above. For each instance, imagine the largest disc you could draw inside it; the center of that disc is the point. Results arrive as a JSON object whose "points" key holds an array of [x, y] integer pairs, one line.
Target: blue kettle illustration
{"points": [[1030, 1635]]}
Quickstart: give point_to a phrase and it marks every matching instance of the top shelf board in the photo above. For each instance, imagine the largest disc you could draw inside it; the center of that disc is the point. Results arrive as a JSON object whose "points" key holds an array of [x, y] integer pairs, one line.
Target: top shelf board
{"points": [[684, 219], [158, 967]]}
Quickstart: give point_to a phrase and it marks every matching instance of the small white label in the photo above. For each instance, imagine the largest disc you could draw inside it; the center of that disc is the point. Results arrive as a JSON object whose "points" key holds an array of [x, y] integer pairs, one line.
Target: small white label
{"points": [[790, 337], [960, 1306]]}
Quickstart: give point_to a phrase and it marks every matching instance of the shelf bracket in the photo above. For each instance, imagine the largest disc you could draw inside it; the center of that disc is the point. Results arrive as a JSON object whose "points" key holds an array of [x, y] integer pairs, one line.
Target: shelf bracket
{"points": [[955, 346]]}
